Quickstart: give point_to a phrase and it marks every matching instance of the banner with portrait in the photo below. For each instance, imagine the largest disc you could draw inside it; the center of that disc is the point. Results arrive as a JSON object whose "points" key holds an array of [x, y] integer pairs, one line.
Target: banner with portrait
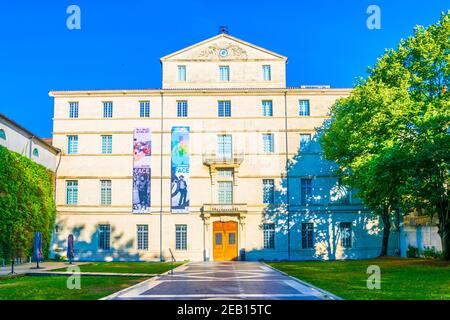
{"points": [[180, 170], [142, 160]]}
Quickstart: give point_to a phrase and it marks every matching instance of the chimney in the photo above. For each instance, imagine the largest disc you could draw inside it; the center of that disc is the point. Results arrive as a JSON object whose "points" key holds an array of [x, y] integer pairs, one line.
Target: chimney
{"points": [[223, 29]]}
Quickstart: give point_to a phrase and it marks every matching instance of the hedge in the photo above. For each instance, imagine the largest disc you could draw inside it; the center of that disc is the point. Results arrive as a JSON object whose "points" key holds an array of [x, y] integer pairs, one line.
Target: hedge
{"points": [[26, 205]]}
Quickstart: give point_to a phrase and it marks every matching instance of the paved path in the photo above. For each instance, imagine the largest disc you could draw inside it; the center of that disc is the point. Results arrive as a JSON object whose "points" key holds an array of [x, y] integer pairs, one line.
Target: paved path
{"points": [[26, 268], [222, 280]]}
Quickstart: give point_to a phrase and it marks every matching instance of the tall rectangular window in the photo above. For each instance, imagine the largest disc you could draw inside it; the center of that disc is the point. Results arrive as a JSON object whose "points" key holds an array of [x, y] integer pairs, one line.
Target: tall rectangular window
{"points": [[142, 237], [104, 237], [269, 235], [267, 75], [224, 73], [345, 230], [306, 191], [267, 109], [182, 108], [224, 146], [72, 192], [303, 107], [181, 237], [224, 108], [144, 109], [307, 235], [105, 193], [182, 73], [107, 109], [225, 192], [73, 109], [72, 144], [268, 142], [305, 142], [268, 191], [106, 144]]}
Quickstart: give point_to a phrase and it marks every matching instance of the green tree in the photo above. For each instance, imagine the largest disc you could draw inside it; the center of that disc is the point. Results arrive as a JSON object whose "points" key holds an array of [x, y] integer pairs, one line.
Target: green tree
{"points": [[400, 112]]}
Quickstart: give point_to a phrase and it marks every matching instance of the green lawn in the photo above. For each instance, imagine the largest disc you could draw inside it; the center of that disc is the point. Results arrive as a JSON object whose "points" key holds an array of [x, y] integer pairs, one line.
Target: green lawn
{"points": [[127, 267], [55, 287], [400, 278]]}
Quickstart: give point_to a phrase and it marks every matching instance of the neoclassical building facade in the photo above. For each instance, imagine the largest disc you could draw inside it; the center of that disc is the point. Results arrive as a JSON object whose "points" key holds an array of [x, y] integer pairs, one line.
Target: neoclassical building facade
{"points": [[221, 163]]}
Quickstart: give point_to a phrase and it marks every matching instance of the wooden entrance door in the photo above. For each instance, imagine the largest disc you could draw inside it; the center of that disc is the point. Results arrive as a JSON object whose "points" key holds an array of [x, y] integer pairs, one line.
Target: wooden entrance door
{"points": [[225, 240]]}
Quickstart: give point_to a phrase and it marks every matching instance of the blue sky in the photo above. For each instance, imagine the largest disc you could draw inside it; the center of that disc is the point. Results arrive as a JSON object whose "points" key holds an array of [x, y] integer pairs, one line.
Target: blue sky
{"points": [[120, 42]]}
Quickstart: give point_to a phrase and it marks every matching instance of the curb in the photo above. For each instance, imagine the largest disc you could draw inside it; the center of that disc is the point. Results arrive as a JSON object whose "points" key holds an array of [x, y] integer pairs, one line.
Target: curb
{"points": [[327, 294]]}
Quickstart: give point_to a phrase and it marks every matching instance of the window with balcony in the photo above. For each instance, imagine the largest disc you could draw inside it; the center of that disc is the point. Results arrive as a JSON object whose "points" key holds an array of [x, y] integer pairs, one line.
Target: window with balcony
{"points": [[224, 147]]}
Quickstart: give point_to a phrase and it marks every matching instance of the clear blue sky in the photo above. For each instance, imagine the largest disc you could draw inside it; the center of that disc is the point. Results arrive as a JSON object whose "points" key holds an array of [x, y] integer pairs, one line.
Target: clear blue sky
{"points": [[120, 42]]}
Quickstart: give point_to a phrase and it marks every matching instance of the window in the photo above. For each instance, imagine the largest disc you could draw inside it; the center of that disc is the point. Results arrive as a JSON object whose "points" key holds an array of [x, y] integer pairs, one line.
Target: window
{"points": [[182, 73], [218, 241], [142, 237], [225, 173], [269, 235], [224, 146], [182, 108], [267, 75], [72, 192], [107, 109], [306, 191], [144, 109], [104, 237], [305, 142], [224, 73], [106, 144], [232, 238], [267, 110], [225, 194], [345, 230], [2, 134], [268, 191], [303, 107], [181, 237], [36, 152], [105, 193], [307, 235], [72, 144], [268, 142], [73, 109], [224, 109]]}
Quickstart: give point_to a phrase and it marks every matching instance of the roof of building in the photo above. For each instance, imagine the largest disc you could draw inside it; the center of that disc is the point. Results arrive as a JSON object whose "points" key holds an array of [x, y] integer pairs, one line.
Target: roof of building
{"points": [[27, 133]]}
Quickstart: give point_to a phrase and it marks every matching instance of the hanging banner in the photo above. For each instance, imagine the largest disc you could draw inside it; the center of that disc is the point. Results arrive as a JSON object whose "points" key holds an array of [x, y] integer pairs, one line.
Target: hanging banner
{"points": [[180, 170], [142, 160]]}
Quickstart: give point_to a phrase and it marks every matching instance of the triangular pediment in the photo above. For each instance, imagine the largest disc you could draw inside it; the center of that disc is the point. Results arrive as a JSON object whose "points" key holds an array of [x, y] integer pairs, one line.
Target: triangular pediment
{"points": [[223, 47]]}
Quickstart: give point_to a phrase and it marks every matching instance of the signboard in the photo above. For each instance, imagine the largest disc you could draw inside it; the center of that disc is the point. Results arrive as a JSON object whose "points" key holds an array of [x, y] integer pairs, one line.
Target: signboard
{"points": [[142, 160], [180, 170]]}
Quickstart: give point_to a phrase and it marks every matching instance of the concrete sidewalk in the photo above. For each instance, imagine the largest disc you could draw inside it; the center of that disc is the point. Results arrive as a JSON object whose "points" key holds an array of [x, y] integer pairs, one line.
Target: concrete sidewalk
{"points": [[28, 268], [223, 280]]}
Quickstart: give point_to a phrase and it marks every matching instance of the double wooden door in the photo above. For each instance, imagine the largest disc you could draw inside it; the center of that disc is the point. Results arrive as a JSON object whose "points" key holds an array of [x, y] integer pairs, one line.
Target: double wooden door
{"points": [[225, 240]]}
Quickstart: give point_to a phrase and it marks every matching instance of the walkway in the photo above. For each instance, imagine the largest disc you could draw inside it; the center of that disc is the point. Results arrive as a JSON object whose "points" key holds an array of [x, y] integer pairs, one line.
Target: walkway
{"points": [[222, 280]]}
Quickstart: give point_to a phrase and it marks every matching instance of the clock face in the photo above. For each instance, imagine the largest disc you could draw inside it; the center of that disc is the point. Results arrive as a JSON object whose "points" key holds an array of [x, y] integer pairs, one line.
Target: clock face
{"points": [[223, 52]]}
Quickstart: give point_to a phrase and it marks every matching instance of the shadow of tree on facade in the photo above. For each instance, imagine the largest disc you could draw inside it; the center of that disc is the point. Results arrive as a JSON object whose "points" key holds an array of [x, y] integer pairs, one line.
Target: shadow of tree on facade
{"points": [[319, 200]]}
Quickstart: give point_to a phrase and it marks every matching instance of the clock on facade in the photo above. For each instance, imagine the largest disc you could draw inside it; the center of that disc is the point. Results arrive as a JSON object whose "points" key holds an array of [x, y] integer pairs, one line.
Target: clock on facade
{"points": [[223, 52]]}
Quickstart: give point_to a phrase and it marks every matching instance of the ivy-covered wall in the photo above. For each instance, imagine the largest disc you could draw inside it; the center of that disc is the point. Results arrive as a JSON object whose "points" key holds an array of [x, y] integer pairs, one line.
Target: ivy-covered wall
{"points": [[26, 205]]}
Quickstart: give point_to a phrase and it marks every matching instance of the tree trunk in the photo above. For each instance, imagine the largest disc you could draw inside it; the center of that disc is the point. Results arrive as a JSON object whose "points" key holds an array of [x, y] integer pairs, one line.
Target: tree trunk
{"points": [[385, 217], [444, 230]]}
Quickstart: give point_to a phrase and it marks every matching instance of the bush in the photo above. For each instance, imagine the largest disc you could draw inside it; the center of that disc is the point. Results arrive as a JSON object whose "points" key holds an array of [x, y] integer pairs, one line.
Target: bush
{"points": [[431, 253], [412, 252], [26, 205]]}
